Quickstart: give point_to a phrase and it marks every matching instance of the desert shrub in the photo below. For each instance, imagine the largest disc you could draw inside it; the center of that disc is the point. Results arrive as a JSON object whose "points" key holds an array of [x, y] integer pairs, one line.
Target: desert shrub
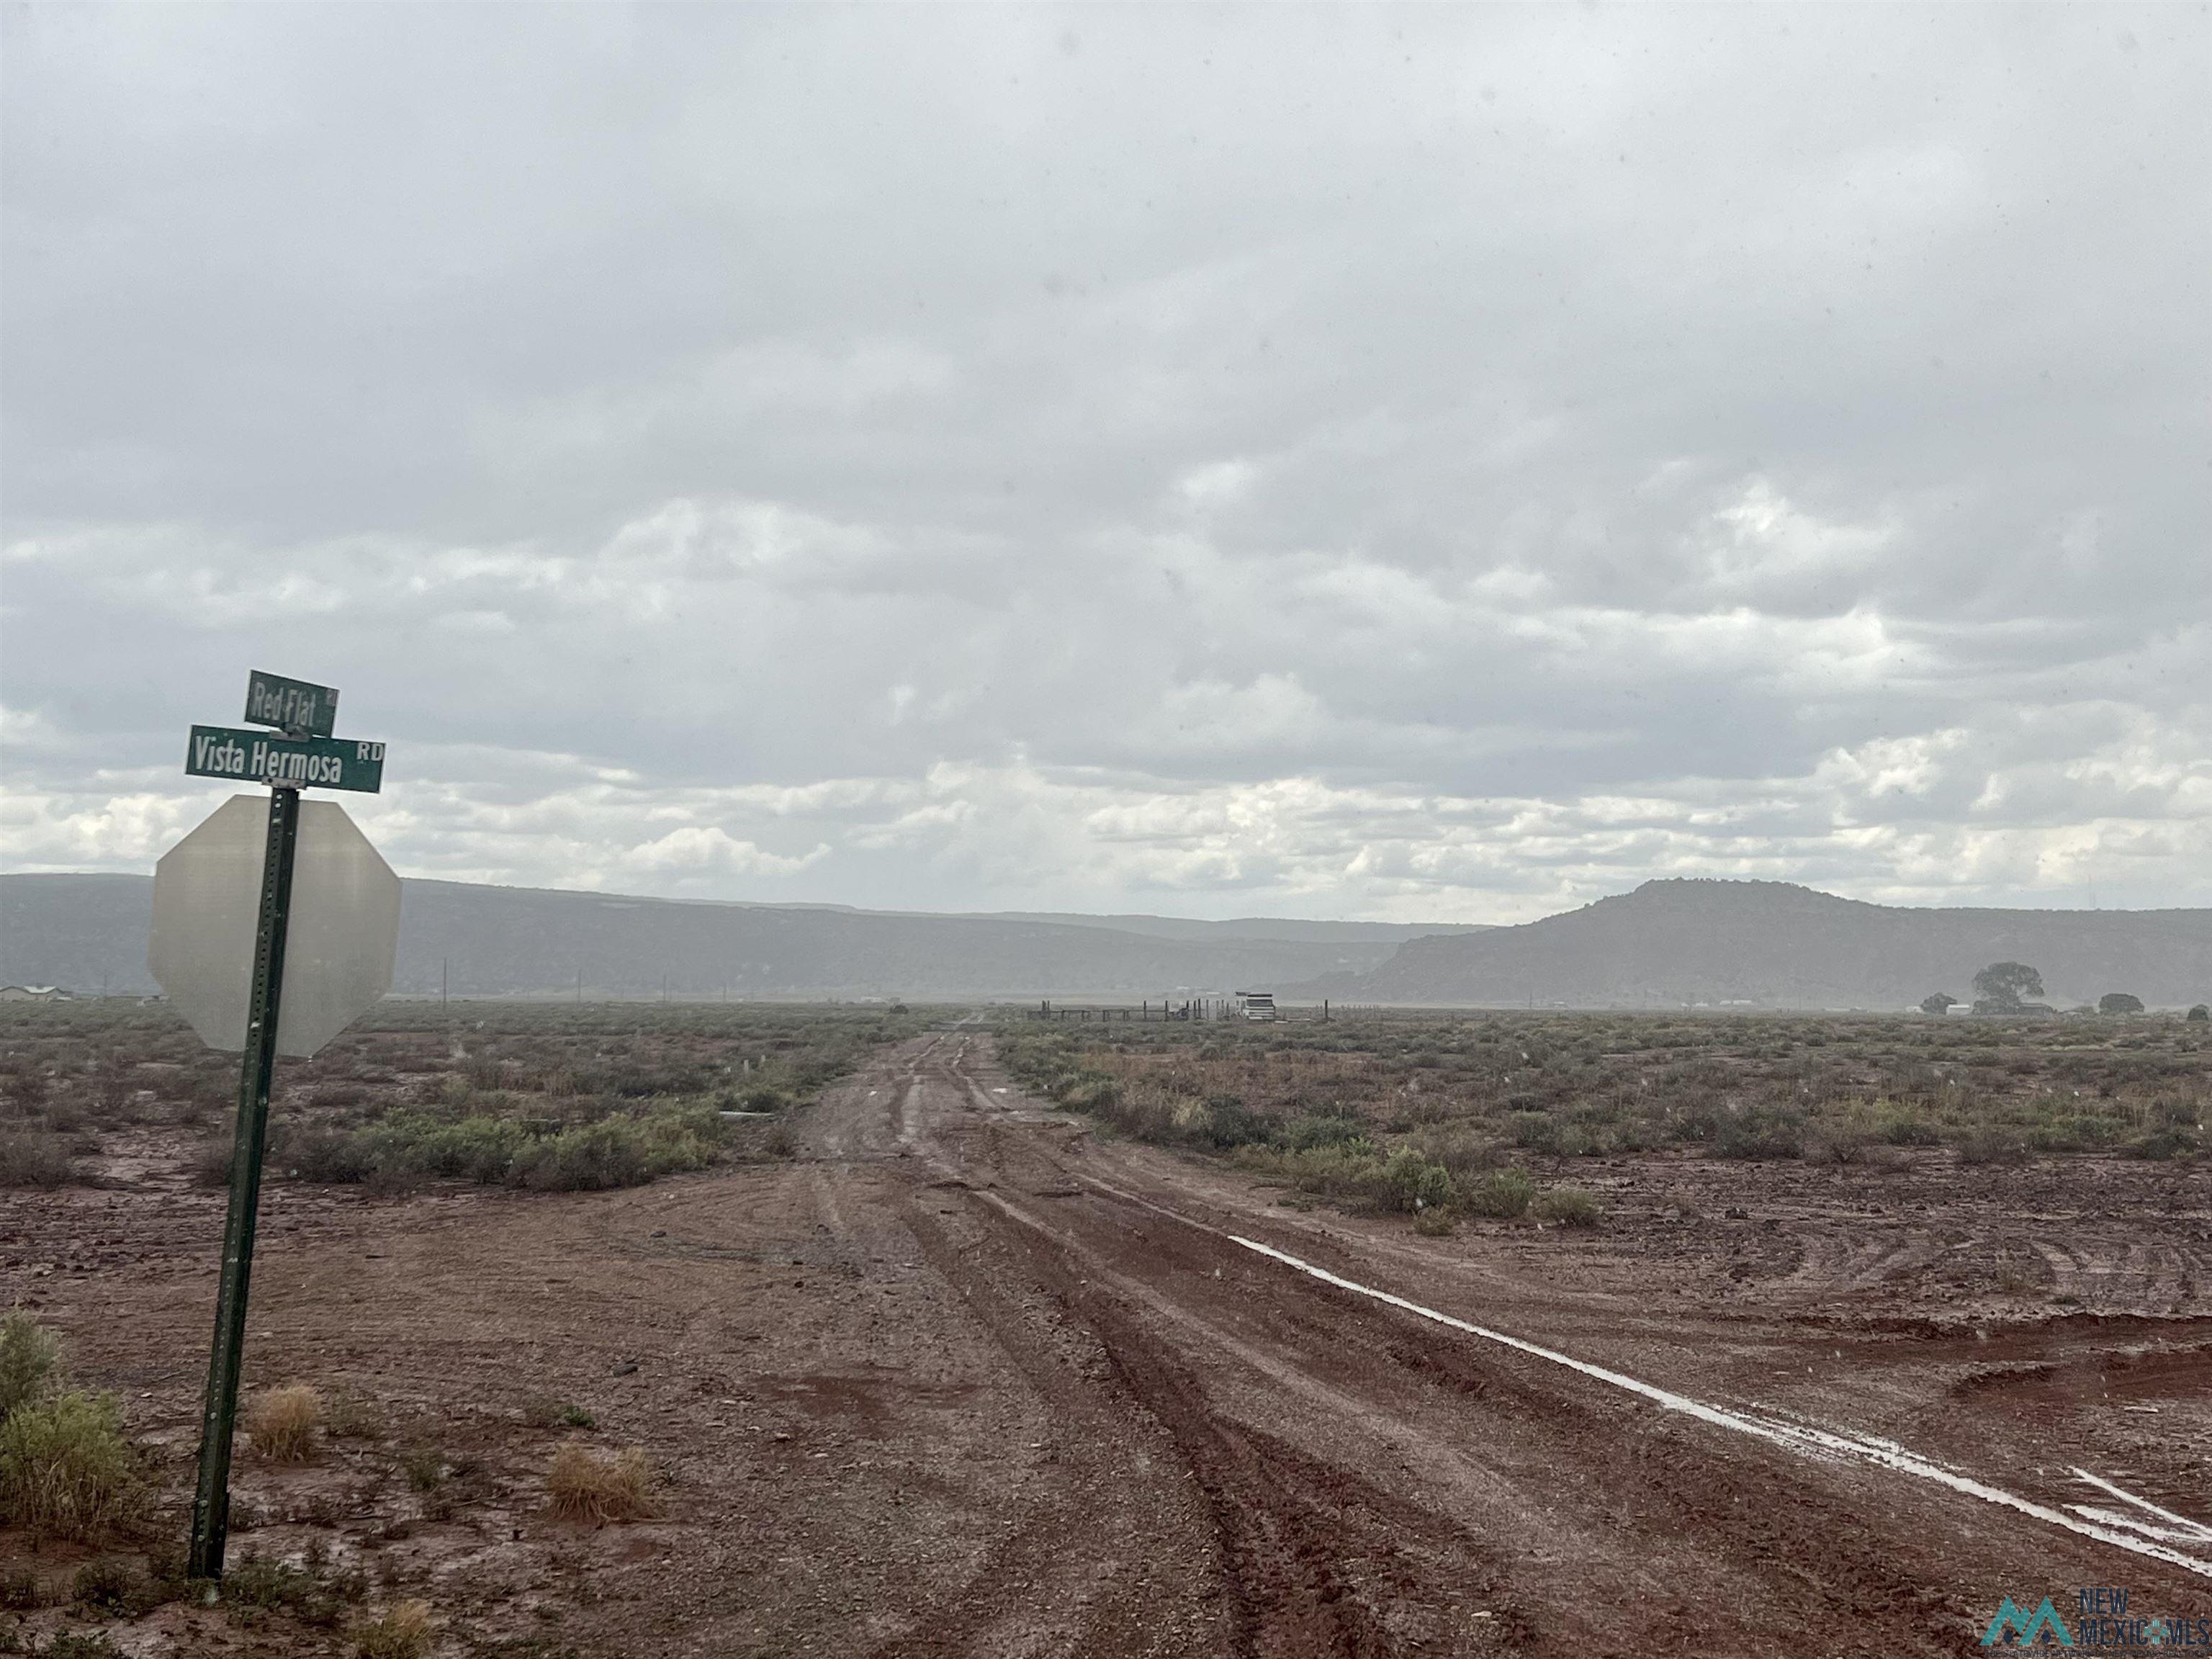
{"points": [[1338, 1171], [402, 1632], [281, 1422], [1312, 1132], [19, 1589], [66, 1470], [1994, 1143], [2078, 1133], [209, 1163], [596, 1486], [1568, 1206], [1466, 1150], [1229, 1122], [1409, 1180], [257, 1584], [112, 1588], [424, 1466], [2162, 1144], [1539, 1132], [30, 1362], [33, 1158], [473, 1148], [1433, 1224], [1841, 1142], [1090, 1093], [544, 1412], [81, 1644], [608, 1153], [1760, 1134], [1505, 1192], [1900, 1126], [335, 1156]]}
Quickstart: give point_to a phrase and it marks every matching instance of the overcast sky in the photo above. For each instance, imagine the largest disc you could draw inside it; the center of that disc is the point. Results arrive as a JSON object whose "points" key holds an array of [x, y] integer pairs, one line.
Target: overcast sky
{"points": [[1429, 464]]}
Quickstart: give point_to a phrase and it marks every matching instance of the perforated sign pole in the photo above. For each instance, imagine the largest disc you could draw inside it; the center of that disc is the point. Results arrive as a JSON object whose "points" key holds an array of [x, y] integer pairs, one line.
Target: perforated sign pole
{"points": [[219, 1422], [198, 975]]}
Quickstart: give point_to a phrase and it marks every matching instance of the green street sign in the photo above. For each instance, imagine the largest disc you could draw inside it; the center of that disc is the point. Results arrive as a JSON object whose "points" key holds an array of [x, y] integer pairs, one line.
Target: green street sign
{"points": [[223, 751], [291, 705]]}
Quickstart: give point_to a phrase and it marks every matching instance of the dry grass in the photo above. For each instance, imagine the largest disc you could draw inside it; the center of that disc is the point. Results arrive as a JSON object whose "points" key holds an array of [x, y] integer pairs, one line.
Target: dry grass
{"points": [[66, 1470], [30, 1360], [402, 1633], [598, 1487], [282, 1422]]}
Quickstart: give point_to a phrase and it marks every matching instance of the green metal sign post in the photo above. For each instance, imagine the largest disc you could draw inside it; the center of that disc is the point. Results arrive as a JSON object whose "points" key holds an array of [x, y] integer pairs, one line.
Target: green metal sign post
{"points": [[303, 756], [218, 1420]]}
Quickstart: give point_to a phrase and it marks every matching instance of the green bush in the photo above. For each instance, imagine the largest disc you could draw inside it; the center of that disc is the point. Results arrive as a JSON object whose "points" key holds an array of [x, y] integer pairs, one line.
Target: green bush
{"points": [[30, 1362], [1539, 1132], [1760, 1134], [1409, 1180], [33, 1158], [1568, 1206], [335, 1156], [1307, 1133], [1504, 1192], [1902, 1127], [1992, 1144], [66, 1470], [1229, 1123], [2163, 1143]]}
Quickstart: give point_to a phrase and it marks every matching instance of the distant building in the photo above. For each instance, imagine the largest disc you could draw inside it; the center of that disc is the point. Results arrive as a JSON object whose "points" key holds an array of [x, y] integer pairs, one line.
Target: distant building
{"points": [[1256, 1005], [33, 993]]}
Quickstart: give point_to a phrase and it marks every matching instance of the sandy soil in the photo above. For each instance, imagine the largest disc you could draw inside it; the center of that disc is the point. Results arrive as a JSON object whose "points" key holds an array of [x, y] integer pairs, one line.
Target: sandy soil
{"points": [[965, 1379]]}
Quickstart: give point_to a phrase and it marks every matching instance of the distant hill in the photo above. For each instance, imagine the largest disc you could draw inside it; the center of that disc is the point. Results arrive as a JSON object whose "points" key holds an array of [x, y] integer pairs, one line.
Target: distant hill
{"points": [[1240, 927], [1772, 943], [84, 932]]}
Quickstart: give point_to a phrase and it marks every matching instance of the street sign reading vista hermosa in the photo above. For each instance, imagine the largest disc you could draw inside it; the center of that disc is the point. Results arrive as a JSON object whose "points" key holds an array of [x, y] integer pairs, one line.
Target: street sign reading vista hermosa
{"points": [[224, 752]]}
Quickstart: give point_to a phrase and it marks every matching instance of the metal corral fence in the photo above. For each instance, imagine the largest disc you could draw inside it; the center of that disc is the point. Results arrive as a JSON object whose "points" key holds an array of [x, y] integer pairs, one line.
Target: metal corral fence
{"points": [[1187, 1009]]}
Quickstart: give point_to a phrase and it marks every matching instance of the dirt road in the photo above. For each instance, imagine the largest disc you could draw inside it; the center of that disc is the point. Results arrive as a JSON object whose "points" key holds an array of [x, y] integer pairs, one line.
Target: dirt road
{"points": [[1375, 1481], [965, 1379]]}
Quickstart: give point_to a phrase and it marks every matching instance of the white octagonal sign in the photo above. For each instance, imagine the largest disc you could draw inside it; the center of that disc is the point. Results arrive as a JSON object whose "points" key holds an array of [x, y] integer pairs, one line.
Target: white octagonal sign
{"points": [[339, 949]]}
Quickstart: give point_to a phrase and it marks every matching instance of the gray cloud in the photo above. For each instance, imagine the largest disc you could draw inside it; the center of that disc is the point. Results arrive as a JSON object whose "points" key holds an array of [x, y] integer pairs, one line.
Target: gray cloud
{"points": [[1424, 463]]}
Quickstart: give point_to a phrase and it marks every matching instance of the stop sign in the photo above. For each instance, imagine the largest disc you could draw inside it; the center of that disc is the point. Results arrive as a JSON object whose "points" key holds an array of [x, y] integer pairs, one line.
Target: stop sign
{"points": [[338, 951]]}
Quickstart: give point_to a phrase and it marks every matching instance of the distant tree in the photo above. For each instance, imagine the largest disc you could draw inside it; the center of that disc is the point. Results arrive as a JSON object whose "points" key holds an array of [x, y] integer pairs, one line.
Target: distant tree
{"points": [[2200, 1013], [2118, 1002], [2004, 983], [1938, 1004]]}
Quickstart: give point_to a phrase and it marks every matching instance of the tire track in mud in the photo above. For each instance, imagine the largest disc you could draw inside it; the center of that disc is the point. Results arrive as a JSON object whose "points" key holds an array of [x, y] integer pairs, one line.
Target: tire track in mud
{"points": [[1873, 1558], [1301, 1558], [1318, 1560], [1547, 1459]]}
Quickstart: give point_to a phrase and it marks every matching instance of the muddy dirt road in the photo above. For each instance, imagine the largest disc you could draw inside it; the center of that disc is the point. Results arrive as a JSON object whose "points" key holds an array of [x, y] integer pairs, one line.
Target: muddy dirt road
{"points": [[965, 1379], [1374, 1480]]}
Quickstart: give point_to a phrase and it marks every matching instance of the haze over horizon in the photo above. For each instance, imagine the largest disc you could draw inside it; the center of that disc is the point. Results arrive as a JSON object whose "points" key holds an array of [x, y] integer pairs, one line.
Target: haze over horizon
{"points": [[1401, 464]]}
